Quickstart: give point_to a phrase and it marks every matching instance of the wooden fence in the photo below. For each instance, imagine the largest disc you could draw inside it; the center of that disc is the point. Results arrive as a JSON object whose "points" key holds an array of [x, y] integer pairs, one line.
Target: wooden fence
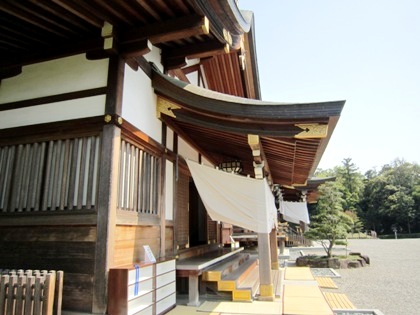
{"points": [[31, 292]]}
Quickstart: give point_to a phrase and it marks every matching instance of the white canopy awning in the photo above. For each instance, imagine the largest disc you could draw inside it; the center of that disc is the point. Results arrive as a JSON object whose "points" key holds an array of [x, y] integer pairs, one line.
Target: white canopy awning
{"points": [[294, 211], [235, 199]]}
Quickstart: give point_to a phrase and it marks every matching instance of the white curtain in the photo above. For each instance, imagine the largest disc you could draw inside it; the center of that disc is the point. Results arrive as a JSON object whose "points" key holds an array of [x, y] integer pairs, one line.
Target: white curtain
{"points": [[235, 199], [294, 211]]}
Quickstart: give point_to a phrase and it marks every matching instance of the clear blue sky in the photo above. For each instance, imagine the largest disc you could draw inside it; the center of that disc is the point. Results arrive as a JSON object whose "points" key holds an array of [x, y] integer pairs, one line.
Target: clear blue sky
{"points": [[366, 52]]}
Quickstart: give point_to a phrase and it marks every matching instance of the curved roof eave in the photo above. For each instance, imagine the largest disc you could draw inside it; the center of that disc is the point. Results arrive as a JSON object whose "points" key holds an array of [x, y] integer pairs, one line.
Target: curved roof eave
{"points": [[199, 99]]}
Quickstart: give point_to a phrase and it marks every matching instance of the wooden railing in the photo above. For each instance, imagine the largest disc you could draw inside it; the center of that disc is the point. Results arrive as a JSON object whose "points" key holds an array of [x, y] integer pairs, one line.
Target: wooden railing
{"points": [[31, 292]]}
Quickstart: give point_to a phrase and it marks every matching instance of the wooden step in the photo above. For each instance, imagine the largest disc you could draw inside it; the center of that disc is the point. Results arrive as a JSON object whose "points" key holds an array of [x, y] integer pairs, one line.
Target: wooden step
{"points": [[231, 281], [217, 271], [247, 289]]}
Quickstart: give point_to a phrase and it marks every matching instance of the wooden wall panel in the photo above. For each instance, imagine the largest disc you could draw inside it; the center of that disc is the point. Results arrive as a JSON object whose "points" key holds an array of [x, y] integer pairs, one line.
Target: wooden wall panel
{"points": [[129, 241], [182, 216], [67, 248], [169, 241], [211, 230]]}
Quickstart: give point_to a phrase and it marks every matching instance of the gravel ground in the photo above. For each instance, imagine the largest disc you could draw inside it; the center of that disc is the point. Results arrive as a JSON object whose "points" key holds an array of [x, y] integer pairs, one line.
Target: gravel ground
{"points": [[392, 281]]}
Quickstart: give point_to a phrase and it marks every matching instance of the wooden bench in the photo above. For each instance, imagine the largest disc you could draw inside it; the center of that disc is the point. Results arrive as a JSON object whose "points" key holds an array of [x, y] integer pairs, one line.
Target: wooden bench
{"points": [[192, 267]]}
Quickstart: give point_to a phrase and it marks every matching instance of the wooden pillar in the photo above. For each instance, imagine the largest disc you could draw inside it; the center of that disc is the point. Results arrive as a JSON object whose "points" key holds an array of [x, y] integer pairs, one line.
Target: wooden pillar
{"points": [[106, 216], [274, 250], [264, 248], [282, 245], [264, 255], [107, 185]]}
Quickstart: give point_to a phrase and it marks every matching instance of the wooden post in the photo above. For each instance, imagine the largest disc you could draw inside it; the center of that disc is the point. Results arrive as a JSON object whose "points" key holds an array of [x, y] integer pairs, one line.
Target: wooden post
{"points": [[107, 185], [282, 245], [106, 218], [264, 239], [264, 255], [274, 250]]}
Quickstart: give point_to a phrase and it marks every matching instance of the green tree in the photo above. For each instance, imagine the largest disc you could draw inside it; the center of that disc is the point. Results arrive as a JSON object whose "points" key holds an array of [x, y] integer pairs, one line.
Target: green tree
{"points": [[331, 223], [351, 184], [391, 197]]}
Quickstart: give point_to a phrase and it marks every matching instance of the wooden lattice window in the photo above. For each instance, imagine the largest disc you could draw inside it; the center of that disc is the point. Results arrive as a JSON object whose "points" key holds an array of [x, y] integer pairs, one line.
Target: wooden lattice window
{"points": [[49, 176], [139, 180]]}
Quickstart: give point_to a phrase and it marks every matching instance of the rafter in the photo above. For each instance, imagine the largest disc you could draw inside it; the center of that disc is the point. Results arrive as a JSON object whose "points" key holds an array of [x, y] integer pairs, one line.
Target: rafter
{"points": [[174, 29]]}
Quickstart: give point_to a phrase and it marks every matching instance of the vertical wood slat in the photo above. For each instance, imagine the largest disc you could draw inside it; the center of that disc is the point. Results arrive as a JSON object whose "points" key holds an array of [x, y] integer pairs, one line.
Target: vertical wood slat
{"points": [[55, 178], [47, 185], [65, 177], [131, 185], [121, 177], [82, 178], [48, 293], [72, 171], [58, 296], [20, 295], [30, 281], [90, 173], [136, 180], [27, 155], [10, 294], [37, 296], [33, 177], [6, 168], [126, 174], [39, 176], [141, 184], [17, 182], [4, 279]]}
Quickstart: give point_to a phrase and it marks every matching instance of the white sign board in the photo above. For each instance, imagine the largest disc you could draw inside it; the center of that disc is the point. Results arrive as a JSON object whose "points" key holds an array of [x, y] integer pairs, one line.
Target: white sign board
{"points": [[148, 254]]}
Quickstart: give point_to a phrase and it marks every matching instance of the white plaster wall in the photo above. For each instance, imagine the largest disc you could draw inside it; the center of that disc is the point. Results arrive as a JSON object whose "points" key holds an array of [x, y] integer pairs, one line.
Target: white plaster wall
{"points": [[193, 76], [139, 101], [169, 191], [79, 108], [187, 151], [170, 139], [54, 77], [155, 57]]}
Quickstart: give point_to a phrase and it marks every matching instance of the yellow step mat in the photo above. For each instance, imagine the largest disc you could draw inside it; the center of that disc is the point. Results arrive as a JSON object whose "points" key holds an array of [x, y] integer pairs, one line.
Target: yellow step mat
{"points": [[304, 300], [298, 273], [338, 301], [326, 282]]}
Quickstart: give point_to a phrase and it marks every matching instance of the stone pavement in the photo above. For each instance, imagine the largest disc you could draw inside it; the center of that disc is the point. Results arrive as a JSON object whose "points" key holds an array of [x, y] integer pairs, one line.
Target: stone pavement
{"points": [[301, 295]]}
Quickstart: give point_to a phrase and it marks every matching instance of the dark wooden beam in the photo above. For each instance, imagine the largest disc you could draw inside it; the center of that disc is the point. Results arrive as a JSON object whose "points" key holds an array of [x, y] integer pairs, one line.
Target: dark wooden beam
{"points": [[197, 50], [174, 29], [9, 72], [135, 49], [53, 98]]}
